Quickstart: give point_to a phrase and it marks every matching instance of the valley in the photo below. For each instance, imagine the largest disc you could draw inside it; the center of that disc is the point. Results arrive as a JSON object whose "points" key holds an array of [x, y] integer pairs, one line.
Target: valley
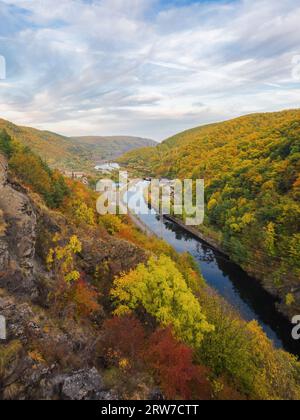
{"points": [[149, 203], [97, 309], [73, 153]]}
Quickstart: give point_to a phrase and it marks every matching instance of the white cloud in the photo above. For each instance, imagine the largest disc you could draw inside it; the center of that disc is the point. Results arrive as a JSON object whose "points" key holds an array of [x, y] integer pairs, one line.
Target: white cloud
{"points": [[125, 66]]}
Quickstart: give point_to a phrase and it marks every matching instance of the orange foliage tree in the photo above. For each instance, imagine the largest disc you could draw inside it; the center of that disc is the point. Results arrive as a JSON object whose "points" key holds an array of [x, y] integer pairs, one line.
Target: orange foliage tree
{"points": [[172, 364], [85, 298]]}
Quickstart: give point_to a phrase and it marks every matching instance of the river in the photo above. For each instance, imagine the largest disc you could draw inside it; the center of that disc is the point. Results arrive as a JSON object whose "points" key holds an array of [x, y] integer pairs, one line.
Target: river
{"points": [[244, 293]]}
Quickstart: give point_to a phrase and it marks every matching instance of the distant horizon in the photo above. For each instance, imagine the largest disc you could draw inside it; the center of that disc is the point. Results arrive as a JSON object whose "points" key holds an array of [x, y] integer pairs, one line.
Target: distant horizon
{"points": [[190, 128], [146, 68]]}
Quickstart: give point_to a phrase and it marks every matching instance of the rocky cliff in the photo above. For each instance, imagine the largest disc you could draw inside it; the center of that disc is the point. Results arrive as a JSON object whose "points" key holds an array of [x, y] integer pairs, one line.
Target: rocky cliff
{"points": [[47, 356], [18, 238]]}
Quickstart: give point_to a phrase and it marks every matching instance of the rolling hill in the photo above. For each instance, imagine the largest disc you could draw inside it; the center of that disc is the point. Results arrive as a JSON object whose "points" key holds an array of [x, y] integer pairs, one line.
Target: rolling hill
{"points": [[80, 153], [251, 167], [110, 147]]}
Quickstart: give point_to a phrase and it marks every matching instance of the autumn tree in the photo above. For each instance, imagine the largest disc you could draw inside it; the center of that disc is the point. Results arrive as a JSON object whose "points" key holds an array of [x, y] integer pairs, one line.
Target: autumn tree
{"points": [[80, 205], [161, 290], [270, 239], [61, 259], [111, 223], [172, 364], [85, 298], [277, 375], [245, 357], [37, 175], [72, 289]]}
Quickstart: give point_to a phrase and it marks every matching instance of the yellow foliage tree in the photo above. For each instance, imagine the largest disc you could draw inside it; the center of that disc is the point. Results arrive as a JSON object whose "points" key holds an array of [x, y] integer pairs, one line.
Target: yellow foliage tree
{"points": [[161, 290], [61, 259], [277, 371]]}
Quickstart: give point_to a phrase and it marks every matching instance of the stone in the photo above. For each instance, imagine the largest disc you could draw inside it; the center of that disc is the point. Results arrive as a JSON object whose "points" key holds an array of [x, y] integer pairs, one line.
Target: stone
{"points": [[83, 385]]}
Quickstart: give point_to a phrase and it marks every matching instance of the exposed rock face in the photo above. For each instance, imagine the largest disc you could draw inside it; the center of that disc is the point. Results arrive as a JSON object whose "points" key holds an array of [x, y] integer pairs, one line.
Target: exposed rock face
{"points": [[120, 255], [82, 385], [85, 384], [17, 244], [42, 381]]}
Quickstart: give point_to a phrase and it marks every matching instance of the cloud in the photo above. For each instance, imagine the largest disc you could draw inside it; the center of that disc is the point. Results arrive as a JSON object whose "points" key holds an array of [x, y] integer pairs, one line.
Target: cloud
{"points": [[145, 67]]}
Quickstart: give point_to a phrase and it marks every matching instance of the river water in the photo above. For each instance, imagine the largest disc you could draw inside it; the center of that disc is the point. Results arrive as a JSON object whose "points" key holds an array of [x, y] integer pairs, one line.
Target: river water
{"points": [[244, 293]]}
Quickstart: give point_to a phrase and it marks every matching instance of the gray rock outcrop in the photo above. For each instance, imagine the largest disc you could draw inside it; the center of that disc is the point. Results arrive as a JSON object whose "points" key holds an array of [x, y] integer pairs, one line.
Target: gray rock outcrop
{"points": [[17, 242], [82, 385]]}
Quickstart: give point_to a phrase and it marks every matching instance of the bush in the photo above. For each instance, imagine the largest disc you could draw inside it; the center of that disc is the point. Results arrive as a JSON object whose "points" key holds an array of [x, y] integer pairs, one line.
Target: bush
{"points": [[123, 338], [111, 223]]}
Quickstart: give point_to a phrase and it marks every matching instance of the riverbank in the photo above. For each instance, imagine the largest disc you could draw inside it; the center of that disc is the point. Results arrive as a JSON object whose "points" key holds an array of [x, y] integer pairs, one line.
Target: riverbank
{"points": [[191, 229], [195, 232], [282, 309]]}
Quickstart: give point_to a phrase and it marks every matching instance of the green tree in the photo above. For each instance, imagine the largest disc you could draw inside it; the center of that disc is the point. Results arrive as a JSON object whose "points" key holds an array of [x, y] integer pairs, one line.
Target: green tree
{"points": [[6, 145]]}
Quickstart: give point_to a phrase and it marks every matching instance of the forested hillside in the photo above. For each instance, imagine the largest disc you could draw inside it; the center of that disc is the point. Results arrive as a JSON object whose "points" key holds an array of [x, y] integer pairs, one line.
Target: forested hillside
{"points": [[97, 310], [78, 154], [251, 167]]}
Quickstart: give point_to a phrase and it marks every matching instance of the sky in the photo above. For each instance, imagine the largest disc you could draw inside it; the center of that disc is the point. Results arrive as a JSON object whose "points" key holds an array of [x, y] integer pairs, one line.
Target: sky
{"points": [[149, 68]]}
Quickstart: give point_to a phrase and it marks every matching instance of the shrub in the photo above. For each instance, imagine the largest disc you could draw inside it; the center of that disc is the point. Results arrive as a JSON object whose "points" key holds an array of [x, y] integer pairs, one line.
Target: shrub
{"points": [[85, 298], [123, 338], [111, 223], [61, 259]]}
